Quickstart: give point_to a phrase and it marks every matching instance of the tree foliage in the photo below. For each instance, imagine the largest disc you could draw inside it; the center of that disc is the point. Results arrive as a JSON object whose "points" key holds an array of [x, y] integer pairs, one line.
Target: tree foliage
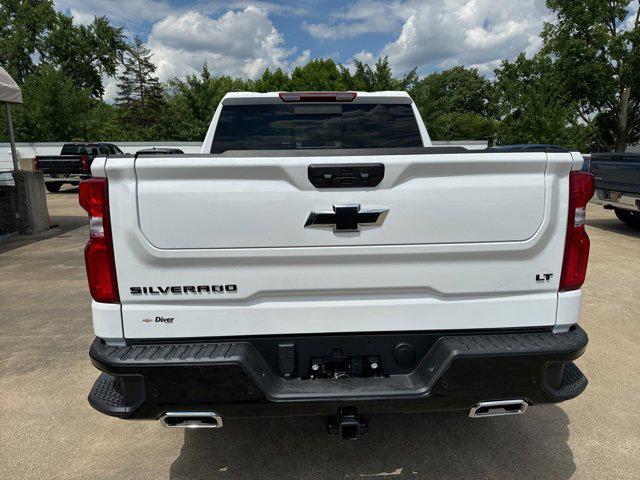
{"points": [[33, 35], [378, 78], [192, 102], [140, 95], [456, 104], [276, 81], [24, 26], [533, 106], [85, 53], [51, 106], [595, 49], [317, 75]]}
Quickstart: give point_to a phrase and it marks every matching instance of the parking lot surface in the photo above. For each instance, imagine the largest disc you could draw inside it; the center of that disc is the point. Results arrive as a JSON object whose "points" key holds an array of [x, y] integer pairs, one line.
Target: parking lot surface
{"points": [[48, 430]]}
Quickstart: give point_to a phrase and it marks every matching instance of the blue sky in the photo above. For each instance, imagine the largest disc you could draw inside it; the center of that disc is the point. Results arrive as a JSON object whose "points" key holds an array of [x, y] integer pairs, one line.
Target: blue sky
{"points": [[243, 37]]}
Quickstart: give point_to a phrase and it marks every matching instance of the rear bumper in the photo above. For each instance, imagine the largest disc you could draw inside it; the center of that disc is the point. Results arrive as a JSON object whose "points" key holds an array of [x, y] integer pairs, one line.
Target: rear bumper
{"points": [[626, 201], [235, 380], [65, 177]]}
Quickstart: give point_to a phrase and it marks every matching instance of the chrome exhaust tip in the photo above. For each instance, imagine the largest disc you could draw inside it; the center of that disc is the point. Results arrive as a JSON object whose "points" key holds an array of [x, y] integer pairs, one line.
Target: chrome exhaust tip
{"points": [[191, 420], [498, 408]]}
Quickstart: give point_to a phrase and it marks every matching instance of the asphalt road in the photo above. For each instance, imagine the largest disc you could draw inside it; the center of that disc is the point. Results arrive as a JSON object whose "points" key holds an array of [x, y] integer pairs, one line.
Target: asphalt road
{"points": [[47, 429]]}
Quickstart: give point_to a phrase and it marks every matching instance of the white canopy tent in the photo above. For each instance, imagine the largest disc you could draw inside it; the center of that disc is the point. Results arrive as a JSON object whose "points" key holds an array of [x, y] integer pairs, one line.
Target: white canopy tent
{"points": [[10, 93]]}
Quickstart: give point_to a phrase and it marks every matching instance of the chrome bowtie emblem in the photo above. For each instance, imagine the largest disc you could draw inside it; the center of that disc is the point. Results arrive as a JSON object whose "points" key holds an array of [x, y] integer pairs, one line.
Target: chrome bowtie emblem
{"points": [[347, 218]]}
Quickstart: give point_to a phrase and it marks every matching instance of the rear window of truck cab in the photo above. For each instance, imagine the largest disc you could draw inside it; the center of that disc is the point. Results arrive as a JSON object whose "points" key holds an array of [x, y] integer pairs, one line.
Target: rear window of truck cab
{"points": [[74, 149], [289, 127]]}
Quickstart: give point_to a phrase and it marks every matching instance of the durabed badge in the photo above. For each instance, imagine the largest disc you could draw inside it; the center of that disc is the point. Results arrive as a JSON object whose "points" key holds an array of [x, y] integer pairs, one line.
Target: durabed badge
{"points": [[347, 218]]}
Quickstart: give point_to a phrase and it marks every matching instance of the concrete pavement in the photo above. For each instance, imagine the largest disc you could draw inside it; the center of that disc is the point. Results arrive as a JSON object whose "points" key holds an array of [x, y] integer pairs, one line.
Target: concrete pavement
{"points": [[49, 431]]}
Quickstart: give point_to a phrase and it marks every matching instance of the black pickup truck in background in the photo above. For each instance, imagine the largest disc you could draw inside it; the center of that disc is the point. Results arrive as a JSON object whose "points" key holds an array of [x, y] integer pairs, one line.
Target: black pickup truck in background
{"points": [[73, 164], [617, 182]]}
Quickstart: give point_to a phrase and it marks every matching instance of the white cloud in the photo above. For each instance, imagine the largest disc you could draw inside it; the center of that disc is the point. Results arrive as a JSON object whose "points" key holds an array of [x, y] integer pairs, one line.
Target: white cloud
{"points": [[365, 57], [441, 33], [240, 43], [362, 56], [294, 9], [237, 37], [81, 18], [362, 17], [110, 89], [476, 32], [133, 12], [124, 11], [630, 21], [301, 59]]}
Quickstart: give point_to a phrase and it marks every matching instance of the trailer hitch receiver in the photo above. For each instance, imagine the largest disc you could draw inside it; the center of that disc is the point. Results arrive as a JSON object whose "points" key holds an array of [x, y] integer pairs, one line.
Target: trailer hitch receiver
{"points": [[347, 424]]}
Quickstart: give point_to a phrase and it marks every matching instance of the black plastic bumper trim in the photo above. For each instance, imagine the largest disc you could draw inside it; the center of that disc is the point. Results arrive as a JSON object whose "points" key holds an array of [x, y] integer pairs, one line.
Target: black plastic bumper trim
{"points": [[534, 348]]}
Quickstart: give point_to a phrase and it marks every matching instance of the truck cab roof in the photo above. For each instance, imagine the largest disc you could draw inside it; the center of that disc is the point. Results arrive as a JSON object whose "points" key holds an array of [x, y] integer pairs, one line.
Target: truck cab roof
{"points": [[254, 98]]}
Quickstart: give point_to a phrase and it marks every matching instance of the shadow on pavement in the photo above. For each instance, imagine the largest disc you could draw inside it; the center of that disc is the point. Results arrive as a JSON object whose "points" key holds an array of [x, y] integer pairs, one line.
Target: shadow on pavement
{"points": [[64, 224], [613, 225], [439, 445]]}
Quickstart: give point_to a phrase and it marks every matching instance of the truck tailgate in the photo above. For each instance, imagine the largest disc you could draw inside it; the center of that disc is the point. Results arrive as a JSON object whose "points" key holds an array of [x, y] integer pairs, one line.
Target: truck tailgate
{"points": [[60, 164], [265, 202], [462, 244], [617, 171]]}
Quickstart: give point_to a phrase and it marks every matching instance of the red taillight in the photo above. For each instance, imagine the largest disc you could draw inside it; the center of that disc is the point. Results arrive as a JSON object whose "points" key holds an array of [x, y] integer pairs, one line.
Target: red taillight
{"points": [[317, 96], [576, 248], [85, 163], [98, 254], [35, 165]]}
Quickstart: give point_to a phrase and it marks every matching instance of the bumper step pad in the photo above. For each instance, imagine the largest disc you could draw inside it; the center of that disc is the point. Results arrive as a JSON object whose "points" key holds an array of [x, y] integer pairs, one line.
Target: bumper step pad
{"points": [[573, 382], [110, 393], [107, 394]]}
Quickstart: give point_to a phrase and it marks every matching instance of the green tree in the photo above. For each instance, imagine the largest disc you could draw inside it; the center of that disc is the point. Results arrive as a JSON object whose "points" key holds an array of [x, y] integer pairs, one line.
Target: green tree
{"points": [[85, 53], [277, 81], [33, 34], [380, 78], [53, 110], [595, 47], [24, 26], [464, 126], [140, 94], [192, 102], [534, 106], [317, 75], [103, 123], [456, 104]]}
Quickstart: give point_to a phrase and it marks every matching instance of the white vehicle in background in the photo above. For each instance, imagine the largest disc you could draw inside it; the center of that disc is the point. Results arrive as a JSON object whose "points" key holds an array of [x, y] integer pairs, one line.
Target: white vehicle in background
{"points": [[319, 256]]}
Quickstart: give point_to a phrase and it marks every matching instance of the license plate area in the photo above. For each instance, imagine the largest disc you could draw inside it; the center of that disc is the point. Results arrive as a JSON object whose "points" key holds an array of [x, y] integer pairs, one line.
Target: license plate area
{"points": [[338, 365], [613, 195]]}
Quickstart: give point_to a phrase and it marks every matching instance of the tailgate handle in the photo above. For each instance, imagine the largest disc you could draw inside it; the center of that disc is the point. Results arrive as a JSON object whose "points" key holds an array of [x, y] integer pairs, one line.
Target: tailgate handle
{"points": [[346, 175]]}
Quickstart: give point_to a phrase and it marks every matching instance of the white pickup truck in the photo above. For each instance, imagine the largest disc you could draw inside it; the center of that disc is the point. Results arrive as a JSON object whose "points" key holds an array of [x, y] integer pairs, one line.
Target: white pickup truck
{"points": [[319, 256]]}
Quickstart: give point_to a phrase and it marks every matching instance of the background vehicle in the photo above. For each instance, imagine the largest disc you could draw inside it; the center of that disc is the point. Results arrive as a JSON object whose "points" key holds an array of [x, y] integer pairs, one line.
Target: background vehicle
{"points": [[617, 184], [320, 257], [531, 147], [159, 151], [73, 164]]}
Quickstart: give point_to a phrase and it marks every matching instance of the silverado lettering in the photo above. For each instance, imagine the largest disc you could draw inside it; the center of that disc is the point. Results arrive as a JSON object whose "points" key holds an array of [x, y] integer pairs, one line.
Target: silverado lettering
{"points": [[179, 290]]}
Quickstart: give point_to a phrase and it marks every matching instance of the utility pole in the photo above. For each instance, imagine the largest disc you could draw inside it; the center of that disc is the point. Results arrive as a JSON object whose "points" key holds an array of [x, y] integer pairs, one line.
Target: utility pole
{"points": [[12, 138]]}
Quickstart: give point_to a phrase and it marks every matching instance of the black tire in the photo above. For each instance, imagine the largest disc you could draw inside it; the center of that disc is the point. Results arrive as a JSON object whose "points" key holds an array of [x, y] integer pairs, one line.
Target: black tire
{"points": [[53, 187], [630, 218]]}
